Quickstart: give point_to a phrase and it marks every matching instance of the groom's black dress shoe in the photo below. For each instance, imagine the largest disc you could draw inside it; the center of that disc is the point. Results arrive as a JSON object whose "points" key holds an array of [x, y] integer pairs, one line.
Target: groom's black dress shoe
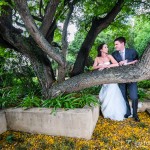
{"points": [[136, 119], [126, 116]]}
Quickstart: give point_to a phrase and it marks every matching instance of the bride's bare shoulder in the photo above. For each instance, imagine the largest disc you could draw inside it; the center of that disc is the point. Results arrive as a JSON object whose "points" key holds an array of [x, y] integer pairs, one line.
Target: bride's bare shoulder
{"points": [[98, 58], [110, 56]]}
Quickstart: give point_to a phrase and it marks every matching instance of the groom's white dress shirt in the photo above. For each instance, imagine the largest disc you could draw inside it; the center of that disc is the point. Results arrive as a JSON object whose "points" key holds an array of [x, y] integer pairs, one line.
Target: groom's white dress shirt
{"points": [[122, 53]]}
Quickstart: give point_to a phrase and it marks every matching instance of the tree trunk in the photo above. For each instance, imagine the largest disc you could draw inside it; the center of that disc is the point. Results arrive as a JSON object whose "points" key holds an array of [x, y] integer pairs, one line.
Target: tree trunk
{"points": [[44, 74]]}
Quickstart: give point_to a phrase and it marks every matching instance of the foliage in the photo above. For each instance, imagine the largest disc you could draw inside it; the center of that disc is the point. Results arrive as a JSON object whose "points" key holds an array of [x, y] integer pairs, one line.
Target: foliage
{"points": [[10, 96], [143, 90], [141, 94], [71, 101], [141, 30], [144, 84], [3, 3], [92, 90], [16, 79], [30, 101]]}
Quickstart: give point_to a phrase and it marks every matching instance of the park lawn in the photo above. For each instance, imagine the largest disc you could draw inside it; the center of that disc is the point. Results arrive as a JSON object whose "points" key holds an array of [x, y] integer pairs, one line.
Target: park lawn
{"points": [[108, 134]]}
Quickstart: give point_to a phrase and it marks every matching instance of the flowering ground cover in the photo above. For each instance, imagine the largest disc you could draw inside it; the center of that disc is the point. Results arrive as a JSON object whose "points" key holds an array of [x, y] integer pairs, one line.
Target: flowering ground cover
{"points": [[108, 135]]}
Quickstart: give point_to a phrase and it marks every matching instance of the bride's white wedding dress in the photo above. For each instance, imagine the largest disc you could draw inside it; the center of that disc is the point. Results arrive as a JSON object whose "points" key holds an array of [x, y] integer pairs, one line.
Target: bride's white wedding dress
{"points": [[113, 105]]}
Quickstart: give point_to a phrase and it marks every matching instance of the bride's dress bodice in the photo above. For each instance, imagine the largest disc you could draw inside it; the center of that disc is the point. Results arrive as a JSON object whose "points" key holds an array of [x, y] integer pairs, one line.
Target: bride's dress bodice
{"points": [[105, 63]]}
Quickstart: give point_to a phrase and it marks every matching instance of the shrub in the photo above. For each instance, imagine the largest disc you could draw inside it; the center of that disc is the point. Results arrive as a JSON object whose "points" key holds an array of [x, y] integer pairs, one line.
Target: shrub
{"points": [[144, 84]]}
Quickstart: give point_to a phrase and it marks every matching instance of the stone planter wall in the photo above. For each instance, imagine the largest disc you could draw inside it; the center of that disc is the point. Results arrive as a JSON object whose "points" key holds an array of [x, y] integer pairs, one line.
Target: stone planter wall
{"points": [[3, 124], [78, 123]]}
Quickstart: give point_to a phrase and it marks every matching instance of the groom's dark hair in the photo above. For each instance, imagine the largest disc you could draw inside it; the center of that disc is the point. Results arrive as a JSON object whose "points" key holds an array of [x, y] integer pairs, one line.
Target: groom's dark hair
{"points": [[121, 39]]}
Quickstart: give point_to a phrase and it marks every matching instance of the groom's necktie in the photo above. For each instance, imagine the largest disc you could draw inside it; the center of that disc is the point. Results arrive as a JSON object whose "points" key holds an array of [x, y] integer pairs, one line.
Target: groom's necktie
{"points": [[122, 54]]}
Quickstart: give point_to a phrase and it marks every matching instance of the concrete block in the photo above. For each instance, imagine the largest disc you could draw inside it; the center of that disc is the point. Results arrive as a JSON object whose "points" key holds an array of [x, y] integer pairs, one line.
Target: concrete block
{"points": [[78, 123], [3, 124], [142, 106], [148, 111]]}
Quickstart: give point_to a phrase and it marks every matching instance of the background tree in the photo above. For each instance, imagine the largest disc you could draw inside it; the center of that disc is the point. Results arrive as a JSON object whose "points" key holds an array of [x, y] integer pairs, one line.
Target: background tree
{"points": [[34, 30]]}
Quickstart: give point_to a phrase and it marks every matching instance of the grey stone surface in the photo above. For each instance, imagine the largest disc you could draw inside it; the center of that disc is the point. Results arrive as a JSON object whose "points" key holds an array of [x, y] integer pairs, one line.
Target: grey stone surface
{"points": [[142, 106], [3, 124], [78, 123], [148, 111]]}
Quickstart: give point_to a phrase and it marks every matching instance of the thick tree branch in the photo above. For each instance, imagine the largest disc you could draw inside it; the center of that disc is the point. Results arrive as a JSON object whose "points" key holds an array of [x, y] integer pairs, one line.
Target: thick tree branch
{"points": [[35, 33], [49, 16], [50, 33], [122, 74]]}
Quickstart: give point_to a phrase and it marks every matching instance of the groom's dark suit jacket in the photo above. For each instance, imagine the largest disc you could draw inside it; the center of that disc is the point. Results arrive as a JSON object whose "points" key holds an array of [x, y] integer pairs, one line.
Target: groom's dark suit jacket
{"points": [[130, 55]]}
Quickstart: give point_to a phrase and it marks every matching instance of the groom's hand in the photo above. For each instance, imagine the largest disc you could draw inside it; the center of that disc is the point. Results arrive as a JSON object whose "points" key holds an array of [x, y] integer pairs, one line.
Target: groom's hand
{"points": [[124, 62]]}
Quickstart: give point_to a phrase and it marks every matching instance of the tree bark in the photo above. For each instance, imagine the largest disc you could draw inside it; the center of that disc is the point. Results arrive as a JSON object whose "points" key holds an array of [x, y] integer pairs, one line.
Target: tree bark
{"points": [[49, 16], [122, 74], [97, 26]]}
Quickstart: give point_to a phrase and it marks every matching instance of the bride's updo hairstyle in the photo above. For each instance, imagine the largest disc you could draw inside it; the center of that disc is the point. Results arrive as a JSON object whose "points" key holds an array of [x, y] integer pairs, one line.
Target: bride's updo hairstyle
{"points": [[99, 50]]}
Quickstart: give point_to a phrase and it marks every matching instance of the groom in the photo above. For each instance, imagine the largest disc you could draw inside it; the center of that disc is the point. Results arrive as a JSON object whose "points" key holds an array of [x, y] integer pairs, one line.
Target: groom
{"points": [[124, 56]]}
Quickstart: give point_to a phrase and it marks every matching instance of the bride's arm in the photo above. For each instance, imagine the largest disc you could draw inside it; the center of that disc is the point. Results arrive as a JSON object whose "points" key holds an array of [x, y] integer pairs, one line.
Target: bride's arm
{"points": [[114, 63], [95, 65]]}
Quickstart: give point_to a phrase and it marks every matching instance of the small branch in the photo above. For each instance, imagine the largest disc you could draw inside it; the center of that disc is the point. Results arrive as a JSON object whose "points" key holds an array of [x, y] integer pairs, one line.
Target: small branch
{"points": [[37, 18], [40, 8], [62, 69], [19, 24], [64, 34]]}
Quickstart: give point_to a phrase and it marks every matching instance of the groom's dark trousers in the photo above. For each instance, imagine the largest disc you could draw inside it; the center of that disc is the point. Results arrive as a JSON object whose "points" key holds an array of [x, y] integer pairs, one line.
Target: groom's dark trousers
{"points": [[132, 89], [130, 55]]}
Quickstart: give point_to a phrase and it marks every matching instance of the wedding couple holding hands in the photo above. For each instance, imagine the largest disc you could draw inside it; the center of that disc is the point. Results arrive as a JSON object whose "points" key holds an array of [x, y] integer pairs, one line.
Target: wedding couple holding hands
{"points": [[114, 97]]}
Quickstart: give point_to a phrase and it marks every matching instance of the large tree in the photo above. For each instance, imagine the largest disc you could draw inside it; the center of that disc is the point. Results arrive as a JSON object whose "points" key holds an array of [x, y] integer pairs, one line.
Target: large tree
{"points": [[29, 27]]}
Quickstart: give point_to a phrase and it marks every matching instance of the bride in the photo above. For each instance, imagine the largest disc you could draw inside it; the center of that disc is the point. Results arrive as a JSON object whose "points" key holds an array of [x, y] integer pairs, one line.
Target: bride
{"points": [[113, 105]]}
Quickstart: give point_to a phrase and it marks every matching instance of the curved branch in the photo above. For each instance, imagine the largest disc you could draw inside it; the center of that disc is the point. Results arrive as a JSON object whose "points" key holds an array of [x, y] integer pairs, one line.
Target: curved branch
{"points": [[49, 16], [104, 22], [35, 33], [122, 74], [64, 34]]}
